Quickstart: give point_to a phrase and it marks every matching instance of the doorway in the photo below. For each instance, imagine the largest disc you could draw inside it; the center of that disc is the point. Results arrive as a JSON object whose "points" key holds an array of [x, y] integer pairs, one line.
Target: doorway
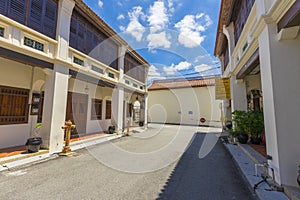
{"points": [[77, 111]]}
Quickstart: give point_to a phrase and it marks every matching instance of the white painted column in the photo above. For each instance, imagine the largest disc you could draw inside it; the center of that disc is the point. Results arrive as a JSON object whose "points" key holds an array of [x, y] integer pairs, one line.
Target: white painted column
{"points": [[54, 113], [280, 70], [238, 94], [117, 107], [65, 9], [146, 110]]}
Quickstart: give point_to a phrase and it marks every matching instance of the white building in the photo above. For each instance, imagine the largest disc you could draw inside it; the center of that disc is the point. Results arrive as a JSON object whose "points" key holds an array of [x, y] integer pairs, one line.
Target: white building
{"points": [[61, 61], [184, 101], [258, 44]]}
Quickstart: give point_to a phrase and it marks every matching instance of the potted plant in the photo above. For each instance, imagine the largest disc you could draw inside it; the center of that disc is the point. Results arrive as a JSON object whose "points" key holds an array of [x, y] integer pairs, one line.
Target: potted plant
{"points": [[239, 118], [34, 143], [111, 129], [298, 177], [255, 126]]}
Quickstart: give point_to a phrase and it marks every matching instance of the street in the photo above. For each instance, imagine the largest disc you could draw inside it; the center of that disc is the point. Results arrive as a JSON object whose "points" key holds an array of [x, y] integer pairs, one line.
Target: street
{"points": [[164, 162]]}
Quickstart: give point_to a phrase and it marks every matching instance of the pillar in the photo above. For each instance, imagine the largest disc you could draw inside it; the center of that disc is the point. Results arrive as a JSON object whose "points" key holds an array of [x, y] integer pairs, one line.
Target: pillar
{"points": [[117, 107], [280, 61], [146, 110], [54, 113]]}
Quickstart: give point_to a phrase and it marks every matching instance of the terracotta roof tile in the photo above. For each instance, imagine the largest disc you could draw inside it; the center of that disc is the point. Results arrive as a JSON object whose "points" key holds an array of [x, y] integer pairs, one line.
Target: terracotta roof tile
{"points": [[181, 83]]}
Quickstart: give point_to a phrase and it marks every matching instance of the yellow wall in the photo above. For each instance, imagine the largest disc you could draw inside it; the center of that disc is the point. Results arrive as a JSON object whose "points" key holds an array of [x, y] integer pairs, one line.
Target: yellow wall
{"points": [[184, 106]]}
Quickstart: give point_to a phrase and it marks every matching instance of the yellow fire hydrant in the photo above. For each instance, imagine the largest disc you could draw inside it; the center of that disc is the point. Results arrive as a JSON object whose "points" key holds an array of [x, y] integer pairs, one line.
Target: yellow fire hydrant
{"points": [[68, 127]]}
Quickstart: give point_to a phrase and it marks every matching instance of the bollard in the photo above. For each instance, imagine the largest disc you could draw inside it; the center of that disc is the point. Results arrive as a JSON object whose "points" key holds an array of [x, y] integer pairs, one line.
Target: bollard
{"points": [[128, 126], [68, 127]]}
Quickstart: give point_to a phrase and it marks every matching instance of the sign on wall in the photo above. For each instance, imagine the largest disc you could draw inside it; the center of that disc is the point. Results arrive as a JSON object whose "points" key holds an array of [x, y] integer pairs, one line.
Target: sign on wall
{"points": [[222, 88]]}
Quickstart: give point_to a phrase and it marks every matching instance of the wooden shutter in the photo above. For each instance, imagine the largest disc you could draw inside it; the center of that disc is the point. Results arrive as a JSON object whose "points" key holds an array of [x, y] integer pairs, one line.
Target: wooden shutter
{"points": [[13, 105], [108, 110], [73, 32], [17, 10], [3, 7], [50, 18], [35, 15]]}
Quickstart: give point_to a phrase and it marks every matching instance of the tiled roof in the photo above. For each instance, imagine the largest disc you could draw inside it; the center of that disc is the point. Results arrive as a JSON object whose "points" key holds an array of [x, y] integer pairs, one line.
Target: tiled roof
{"points": [[181, 83]]}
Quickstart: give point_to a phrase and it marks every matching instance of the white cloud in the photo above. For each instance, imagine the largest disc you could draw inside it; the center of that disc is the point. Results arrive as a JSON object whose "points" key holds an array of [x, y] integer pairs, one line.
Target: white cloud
{"points": [[122, 28], [158, 18], [190, 28], [154, 73], [121, 16], [203, 68], [100, 3], [183, 66], [135, 28], [158, 40], [202, 58], [169, 70], [119, 3]]}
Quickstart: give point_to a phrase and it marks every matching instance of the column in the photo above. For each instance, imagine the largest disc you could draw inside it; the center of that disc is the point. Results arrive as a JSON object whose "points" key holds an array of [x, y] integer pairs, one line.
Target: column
{"points": [[280, 61], [65, 9], [54, 113], [117, 108], [146, 110], [238, 94]]}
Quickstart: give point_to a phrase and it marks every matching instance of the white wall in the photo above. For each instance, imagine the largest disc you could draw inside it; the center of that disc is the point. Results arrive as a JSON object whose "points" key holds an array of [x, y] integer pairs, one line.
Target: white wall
{"points": [[184, 106], [280, 70]]}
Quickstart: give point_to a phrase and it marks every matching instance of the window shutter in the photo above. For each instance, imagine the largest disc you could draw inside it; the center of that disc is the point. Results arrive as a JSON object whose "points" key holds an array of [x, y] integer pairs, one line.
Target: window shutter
{"points": [[73, 33], [50, 19], [35, 15], [80, 36], [3, 7], [17, 10]]}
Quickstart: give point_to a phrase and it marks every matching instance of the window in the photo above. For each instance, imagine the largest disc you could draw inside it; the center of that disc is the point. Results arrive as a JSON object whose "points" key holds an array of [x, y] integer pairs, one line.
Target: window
{"points": [[88, 39], [33, 44], [108, 110], [96, 69], [13, 105], [96, 109], [40, 15], [111, 75], [1, 32], [78, 61]]}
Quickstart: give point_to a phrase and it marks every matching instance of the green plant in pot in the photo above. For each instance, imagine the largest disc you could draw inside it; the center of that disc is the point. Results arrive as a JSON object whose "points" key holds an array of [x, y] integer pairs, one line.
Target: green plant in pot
{"points": [[239, 119], [34, 142], [255, 126]]}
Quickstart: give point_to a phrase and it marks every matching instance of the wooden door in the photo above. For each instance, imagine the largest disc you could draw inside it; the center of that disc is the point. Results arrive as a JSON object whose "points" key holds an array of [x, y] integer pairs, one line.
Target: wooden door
{"points": [[77, 111]]}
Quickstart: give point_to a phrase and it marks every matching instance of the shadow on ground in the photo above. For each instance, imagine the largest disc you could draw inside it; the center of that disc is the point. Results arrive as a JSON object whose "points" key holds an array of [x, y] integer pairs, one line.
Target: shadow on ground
{"points": [[213, 177]]}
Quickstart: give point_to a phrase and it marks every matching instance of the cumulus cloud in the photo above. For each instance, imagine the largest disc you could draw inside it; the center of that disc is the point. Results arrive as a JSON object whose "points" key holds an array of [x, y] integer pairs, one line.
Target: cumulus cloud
{"points": [[158, 17], [191, 28], [154, 73], [100, 3], [158, 40], [203, 68], [135, 28], [171, 70], [121, 16]]}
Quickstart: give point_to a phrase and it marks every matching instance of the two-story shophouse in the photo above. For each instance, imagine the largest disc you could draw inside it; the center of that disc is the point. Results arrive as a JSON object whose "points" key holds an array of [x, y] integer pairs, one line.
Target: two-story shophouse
{"points": [[258, 45], [60, 61]]}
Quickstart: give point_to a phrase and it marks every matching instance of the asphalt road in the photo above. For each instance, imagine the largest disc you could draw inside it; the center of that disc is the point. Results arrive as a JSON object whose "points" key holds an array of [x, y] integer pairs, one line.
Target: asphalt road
{"points": [[164, 162]]}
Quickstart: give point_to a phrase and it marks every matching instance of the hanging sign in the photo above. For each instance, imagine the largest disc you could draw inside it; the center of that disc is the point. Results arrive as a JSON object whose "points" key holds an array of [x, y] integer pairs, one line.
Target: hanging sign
{"points": [[222, 88]]}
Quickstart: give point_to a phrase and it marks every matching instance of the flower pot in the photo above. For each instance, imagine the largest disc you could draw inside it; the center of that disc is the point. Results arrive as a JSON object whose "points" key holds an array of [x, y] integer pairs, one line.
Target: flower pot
{"points": [[141, 123], [243, 138], [255, 140], [111, 129], [34, 144]]}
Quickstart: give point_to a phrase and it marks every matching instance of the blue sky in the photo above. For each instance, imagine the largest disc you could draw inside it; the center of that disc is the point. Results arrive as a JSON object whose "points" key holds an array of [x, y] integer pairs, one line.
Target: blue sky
{"points": [[176, 37]]}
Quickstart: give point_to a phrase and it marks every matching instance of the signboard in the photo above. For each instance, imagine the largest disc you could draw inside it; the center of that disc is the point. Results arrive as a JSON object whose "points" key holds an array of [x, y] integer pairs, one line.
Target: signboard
{"points": [[222, 88]]}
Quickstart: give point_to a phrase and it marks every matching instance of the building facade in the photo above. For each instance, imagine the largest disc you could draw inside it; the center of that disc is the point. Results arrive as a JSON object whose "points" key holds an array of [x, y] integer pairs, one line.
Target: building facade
{"points": [[60, 61], [184, 102], [258, 45]]}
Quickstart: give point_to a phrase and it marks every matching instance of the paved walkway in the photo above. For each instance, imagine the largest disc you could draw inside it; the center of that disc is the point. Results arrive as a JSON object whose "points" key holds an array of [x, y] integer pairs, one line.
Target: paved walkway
{"points": [[163, 164]]}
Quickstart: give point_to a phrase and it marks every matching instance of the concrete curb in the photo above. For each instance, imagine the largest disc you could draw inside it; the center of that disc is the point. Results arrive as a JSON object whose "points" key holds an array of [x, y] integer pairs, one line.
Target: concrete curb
{"points": [[21, 160], [245, 165]]}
